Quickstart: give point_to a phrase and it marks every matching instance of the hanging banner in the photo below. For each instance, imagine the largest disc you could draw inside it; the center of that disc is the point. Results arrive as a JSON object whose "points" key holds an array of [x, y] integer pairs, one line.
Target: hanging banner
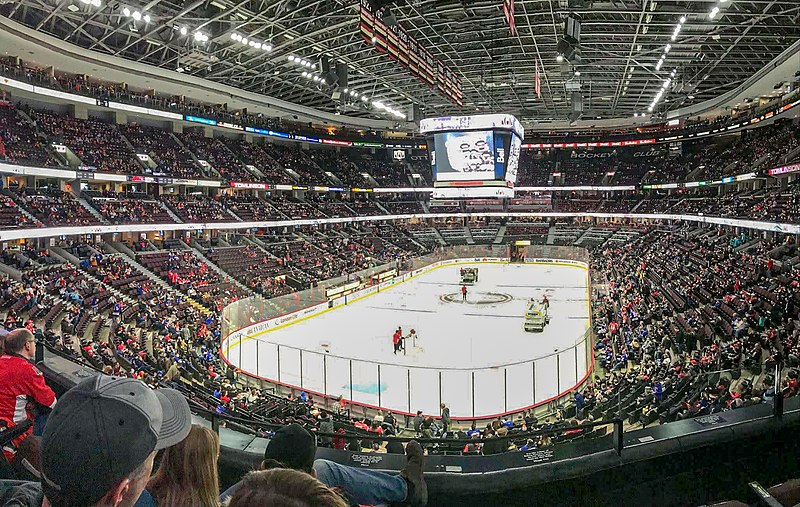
{"points": [[508, 10], [410, 53]]}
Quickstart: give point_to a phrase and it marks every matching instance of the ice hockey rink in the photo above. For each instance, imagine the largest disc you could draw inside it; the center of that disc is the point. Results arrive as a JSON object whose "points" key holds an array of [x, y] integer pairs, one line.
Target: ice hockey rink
{"points": [[474, 355]]}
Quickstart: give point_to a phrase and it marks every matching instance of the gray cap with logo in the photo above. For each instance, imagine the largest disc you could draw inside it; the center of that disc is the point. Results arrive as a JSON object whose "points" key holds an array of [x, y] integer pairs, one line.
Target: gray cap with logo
{"points": [[103, 429]]}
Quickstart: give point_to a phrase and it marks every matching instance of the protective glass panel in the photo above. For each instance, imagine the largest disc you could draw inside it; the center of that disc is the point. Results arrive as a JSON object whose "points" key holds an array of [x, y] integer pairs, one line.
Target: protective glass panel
{"points": [[520, 386], [424, 390], [338, 377], [457, 392], [566, 370], [290, 365], [365, 382], [394, 388], [312, 372], [546, 378], [489, 392], [267, 354]]}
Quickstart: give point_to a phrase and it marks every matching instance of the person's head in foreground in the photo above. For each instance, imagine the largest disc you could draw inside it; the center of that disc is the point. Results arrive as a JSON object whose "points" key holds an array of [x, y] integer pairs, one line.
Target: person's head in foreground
{"points": [[292, 446], [20, 342], [187, 474], [100, 440], [283, 487]]}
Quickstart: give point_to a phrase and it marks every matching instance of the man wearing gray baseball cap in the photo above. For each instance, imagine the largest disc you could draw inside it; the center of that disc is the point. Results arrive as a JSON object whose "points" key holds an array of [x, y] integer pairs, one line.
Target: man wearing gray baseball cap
{"points": [[99, 444]]}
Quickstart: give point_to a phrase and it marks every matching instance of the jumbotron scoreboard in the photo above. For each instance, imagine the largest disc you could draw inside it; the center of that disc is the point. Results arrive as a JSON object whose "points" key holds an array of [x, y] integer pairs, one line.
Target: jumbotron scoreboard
{"points": [[473, 156]]}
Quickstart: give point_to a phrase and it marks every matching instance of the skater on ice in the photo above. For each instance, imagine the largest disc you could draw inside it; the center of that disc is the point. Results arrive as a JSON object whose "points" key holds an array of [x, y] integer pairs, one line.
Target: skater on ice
{"points": [[464, 293], [396, 340]]}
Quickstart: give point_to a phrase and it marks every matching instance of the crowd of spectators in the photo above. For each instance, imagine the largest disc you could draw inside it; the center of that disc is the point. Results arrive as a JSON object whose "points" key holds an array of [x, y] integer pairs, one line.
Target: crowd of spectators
{"points": [[170, 157], [263, 274], [678, 307], [128, 208], [19, 142], [296, 160], [257, 155], [107, 147], [186, 272], [251, 209], [11, 217], [197, 208], [96, 143], [54, 207], [214, 151]]}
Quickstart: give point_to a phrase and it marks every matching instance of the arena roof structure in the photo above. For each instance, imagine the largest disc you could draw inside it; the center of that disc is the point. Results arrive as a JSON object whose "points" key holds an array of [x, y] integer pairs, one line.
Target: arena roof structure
{"points": [[635, 57]]}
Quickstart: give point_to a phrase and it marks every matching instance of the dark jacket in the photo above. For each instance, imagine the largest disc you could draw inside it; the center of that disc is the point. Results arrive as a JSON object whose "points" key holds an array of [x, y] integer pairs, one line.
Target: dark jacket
{"points": [[446, 416], [20, 494]]}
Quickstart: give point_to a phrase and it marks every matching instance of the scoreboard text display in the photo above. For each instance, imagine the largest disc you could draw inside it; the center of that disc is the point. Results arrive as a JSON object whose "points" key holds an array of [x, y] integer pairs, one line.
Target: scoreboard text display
{"points": [[473, 156]]}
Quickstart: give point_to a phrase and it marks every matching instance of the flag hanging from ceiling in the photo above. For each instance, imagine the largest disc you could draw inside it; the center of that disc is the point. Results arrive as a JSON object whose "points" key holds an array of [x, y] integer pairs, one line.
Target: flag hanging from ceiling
{"points": [[538, 82], [508, 10]]}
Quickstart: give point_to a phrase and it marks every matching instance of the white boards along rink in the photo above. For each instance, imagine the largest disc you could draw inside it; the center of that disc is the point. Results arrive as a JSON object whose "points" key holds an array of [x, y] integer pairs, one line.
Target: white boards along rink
{"points": [[473, 355]]}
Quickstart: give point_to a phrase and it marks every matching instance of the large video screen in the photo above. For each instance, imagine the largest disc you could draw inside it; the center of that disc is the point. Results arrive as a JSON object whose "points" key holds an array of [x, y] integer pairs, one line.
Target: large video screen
{"points": [[463, 156], [513, 159]]}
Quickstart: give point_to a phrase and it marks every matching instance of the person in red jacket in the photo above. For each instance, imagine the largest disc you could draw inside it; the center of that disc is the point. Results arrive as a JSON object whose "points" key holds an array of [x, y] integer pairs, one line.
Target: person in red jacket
{"points": [[463, 293], [21, 383], [396, 341]]}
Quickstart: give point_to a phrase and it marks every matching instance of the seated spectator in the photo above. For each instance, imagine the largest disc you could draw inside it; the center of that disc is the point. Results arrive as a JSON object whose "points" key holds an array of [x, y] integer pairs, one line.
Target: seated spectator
{"points": [[283, 487], [294, 447], [187, 475], [21, 385], [100, 442]]}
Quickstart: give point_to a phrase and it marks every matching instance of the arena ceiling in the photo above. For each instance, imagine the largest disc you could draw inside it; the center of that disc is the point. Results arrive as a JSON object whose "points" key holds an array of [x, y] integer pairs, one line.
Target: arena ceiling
{"points": [[622, 42]]}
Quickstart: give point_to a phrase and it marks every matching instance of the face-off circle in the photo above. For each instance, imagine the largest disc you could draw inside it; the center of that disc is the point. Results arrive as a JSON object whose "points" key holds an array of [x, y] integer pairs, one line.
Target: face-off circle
{"points": [[477, 298]]}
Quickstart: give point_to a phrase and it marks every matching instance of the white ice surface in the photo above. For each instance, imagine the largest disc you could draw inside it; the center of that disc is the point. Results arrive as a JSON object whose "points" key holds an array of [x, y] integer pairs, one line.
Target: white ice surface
{"points": [[458, 341]]}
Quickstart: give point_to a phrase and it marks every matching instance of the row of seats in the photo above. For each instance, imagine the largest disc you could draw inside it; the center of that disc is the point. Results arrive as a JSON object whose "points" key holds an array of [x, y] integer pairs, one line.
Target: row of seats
{"points": [[115, 148]]}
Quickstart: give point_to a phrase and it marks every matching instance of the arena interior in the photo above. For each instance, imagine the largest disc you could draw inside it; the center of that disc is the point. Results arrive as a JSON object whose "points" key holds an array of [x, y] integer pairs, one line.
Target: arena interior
{"points": [[399, 252]]}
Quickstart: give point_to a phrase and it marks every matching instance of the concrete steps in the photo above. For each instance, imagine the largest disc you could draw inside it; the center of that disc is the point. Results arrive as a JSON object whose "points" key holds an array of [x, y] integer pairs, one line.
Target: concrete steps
{"points": [[171, 213], [551, 235], [83, 202], [470, 239], [224, 274]]}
